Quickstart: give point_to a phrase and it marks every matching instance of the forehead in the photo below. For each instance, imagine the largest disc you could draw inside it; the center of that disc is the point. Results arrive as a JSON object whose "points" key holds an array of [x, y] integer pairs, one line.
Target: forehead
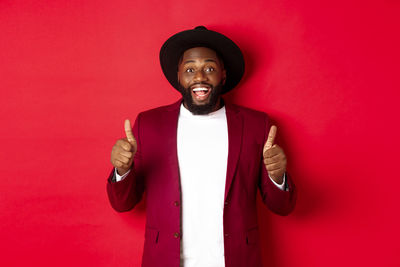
{"points": [[199, 53]]}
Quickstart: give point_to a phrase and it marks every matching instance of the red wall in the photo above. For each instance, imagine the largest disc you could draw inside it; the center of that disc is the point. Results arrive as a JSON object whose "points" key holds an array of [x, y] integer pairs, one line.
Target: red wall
{"points": [[72, 71]]}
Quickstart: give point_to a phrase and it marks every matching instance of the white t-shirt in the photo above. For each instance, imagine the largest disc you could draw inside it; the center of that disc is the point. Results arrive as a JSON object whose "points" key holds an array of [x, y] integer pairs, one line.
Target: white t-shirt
{"points": [[202, 156]]}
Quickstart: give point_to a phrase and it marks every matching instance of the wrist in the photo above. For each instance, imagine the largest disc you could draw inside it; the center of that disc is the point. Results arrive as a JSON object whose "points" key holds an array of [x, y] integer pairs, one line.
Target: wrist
{"points": [[121, 172], [278, 180]]}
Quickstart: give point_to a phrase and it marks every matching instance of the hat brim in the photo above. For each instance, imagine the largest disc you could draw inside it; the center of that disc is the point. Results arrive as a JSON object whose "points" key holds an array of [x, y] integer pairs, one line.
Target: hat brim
{"points": [[230, 53]]}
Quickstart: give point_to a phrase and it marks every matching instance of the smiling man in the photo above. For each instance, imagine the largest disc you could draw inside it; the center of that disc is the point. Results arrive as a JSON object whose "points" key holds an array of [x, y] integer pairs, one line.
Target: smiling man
{"points": [[200, 162]]}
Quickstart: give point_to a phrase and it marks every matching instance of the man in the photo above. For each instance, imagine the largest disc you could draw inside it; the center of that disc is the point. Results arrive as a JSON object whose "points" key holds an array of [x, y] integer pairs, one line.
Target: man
{"points": [[200, 162]]}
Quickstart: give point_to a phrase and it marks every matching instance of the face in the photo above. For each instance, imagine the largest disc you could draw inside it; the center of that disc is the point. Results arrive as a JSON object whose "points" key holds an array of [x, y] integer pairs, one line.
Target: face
{"points": [[201, 76]]}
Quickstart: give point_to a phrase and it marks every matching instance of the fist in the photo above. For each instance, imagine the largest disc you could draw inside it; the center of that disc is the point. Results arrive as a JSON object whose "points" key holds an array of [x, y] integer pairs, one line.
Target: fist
{"points": [[274, 157], [124, 150]]}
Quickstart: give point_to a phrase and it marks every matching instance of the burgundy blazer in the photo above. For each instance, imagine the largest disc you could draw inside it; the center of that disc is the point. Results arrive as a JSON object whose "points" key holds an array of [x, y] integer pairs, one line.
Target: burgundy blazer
{"points": [[156, 172]]}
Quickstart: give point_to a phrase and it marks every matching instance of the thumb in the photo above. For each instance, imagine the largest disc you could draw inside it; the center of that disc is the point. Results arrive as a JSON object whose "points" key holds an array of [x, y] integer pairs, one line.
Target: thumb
{"points": [[271, 138], [128, 131]]}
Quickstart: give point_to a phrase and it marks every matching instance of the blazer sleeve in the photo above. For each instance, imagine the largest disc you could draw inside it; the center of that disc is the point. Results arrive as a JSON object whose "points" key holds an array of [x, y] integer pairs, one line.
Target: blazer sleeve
{"points": [[125, 194], [279, 201]]}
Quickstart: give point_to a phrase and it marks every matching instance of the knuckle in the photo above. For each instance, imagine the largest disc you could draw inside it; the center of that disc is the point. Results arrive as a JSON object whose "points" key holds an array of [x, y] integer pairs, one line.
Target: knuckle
{"points": [[127, 166]]}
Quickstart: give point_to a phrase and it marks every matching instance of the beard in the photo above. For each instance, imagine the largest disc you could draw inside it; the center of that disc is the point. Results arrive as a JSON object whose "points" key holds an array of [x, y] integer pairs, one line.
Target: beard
{"points": [[206, 108]]}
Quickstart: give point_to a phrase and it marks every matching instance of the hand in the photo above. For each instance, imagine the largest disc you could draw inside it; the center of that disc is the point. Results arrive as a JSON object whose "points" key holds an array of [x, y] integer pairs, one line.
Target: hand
{"points": [[124, 150], [274, 157]]}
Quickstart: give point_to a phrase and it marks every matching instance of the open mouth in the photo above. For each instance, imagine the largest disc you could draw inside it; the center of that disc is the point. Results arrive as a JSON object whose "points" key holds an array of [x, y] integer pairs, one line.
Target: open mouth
{"points": [[201, 93]]}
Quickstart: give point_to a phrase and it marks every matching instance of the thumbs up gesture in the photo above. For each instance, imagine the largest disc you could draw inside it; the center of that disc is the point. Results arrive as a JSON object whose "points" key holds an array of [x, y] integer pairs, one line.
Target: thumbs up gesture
{"points": [[274, 157], [124, 150]]}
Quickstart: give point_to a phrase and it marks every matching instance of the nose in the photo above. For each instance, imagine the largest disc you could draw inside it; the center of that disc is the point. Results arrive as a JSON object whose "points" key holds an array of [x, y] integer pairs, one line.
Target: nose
{"points": [[200, 77]]}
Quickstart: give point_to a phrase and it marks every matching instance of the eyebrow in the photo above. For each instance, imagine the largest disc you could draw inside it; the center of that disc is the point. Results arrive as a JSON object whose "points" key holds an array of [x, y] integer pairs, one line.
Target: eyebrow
{"points": [[192, 61]]}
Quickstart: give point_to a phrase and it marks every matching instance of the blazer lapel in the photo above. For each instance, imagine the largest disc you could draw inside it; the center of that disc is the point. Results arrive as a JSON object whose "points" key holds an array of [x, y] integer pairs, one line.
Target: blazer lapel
{"points": [[235, 131], [170, 127]]}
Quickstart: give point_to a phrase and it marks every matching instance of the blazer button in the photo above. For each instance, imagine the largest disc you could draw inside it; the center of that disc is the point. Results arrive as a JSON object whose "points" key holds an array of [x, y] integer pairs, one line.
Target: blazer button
{"points": [[176, 235], [176, 203], [226, 203]]}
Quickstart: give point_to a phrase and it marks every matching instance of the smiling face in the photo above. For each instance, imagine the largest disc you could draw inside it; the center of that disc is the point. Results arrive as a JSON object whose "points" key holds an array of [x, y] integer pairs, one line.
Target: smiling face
{"points": [[201, 76]]}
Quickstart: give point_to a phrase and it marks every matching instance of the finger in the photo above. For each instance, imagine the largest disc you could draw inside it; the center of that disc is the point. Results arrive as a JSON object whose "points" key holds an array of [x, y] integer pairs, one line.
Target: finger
{"points": [[123, 159], [126, 154], [274, 166], [277, 158], [126, 146], [120, 164], [117, 163], [273, 151], [271, 137], [128, 131]]}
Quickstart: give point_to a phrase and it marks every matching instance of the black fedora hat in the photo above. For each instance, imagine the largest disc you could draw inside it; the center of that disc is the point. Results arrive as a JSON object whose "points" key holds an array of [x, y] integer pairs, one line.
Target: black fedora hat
{"points": [[173, 48]]}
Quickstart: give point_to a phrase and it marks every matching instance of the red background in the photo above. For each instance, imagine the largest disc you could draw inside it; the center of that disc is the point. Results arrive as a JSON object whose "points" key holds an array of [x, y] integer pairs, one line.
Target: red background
{"points": [[72, 71]]}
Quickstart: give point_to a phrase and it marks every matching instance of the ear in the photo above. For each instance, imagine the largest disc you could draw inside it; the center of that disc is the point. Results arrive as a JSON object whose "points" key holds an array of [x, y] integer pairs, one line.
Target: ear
{"points": [[223, 77]]}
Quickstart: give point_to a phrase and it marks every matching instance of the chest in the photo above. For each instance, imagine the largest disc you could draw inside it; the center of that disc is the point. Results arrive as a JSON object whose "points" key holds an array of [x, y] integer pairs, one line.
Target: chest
{"points": [[202, 141]]}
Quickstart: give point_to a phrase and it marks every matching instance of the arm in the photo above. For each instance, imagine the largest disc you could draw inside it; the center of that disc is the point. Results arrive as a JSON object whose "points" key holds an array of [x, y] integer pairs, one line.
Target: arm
{"points": [[125, 194], [279, 201]]}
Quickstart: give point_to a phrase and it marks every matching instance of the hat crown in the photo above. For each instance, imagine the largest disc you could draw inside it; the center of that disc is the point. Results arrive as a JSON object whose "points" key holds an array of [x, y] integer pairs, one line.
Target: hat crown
{"points": [[201, 28]]}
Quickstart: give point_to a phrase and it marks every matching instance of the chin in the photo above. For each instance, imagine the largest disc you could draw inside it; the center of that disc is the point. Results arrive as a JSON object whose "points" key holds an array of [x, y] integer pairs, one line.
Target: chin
{"points": [[202, 103]]}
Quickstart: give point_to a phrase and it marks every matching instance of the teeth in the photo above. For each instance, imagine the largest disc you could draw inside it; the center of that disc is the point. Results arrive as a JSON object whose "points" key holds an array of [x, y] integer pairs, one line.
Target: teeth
{"points": [[200, 89]]}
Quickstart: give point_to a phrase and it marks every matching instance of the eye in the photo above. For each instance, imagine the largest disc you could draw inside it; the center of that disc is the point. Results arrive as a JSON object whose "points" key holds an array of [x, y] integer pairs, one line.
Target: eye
{"points": [[189, 70], [210, 69]]}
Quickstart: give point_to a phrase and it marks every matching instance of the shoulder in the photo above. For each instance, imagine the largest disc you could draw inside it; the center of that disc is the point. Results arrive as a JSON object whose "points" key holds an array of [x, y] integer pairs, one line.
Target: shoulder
{"points": [[248, 113], [157, 112]]}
